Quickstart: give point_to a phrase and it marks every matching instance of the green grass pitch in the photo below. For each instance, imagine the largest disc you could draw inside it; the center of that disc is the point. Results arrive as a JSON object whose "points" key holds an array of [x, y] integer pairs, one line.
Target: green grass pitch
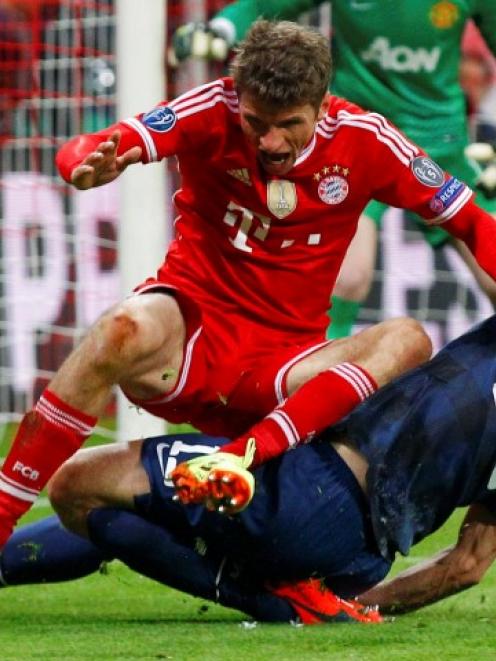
{"points": [[120, 615]]}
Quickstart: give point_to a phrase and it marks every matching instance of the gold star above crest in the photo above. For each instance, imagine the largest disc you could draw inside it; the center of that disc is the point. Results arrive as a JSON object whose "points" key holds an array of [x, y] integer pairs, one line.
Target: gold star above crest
{"points": [[334, 169]]}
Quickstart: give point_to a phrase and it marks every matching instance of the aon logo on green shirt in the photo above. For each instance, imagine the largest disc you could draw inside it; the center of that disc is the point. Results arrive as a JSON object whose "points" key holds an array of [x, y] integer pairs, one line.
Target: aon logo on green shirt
{"points": [[401, 58]]}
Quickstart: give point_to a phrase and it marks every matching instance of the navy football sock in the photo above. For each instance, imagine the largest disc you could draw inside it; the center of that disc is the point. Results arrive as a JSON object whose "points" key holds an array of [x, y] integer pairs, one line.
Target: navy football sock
{"points": [[153, 551], [46, 552]]}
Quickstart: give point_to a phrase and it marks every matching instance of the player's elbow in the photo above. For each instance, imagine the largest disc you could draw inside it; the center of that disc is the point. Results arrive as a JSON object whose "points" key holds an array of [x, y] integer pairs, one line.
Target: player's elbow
{"points": [[471, 570], [354, 281], [464, 571]]}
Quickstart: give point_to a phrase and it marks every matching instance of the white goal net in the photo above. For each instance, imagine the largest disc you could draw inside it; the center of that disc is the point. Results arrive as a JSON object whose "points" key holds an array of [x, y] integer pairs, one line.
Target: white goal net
{"points": [[58, 252]]}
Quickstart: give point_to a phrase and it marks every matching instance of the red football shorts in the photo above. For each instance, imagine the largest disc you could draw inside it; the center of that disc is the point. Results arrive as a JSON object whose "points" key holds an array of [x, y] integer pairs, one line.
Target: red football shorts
{"points": [[233, 372]]}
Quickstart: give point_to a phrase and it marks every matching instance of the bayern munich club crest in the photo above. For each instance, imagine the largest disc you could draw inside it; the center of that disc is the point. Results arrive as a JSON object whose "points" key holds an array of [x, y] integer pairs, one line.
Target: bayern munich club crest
{"points": [[333, 189]]}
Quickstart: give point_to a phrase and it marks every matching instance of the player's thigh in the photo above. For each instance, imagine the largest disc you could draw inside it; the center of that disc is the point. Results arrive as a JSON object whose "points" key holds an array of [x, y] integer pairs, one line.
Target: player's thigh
{"points": [[385, 350], [106, 476], [157, 350], [132, 345], [355, 276]]}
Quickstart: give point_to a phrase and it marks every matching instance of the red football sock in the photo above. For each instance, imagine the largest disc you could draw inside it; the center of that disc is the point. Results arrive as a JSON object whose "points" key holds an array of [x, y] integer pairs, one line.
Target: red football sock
{"points": [[319, 403], [47, 436]]}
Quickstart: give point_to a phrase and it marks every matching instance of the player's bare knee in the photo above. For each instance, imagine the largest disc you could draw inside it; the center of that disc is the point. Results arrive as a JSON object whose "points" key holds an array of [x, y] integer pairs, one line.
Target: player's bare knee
{"points": [[61, 491], [121, 331], [407, 337], [122, 337], [68, 498]]}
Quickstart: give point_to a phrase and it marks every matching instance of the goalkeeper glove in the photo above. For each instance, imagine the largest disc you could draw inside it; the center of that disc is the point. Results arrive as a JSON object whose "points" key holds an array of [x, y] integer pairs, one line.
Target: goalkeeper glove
{"points": [[485, 155], [205, 41]]}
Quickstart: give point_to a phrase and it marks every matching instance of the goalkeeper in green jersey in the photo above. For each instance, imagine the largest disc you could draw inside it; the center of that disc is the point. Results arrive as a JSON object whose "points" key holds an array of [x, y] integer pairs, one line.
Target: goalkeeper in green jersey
{"points": [[399, 58]]}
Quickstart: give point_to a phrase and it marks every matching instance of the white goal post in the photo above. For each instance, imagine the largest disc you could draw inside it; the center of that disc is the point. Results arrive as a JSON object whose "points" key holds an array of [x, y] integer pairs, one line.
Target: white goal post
{"points": [[143, 225]]}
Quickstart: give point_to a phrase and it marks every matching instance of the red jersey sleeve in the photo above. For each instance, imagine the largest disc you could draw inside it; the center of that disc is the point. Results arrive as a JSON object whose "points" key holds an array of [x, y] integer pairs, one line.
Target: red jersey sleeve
{"points": [[73, 152], [404, 176], [187, 123], [478, 229]]}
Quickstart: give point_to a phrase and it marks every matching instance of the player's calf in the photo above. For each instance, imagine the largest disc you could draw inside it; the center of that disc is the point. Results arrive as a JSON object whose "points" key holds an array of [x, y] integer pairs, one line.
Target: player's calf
{"points": [[46, 437]]}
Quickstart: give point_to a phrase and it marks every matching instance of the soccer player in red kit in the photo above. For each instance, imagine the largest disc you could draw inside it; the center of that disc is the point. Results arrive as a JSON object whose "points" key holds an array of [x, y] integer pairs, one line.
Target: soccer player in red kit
{"points": [[230, 334]]}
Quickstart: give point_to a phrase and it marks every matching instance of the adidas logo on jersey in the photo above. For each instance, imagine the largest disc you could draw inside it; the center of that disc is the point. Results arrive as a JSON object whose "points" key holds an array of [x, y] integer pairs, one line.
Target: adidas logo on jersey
{"points": [[242, 175]]}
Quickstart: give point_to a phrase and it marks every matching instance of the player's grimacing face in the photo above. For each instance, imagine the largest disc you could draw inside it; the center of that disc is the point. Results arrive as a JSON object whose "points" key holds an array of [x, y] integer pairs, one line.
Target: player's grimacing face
{"points": [[278, 135]]}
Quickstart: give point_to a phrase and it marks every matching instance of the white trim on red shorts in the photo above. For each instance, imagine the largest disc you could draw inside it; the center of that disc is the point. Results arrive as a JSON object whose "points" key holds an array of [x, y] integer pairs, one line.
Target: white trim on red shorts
{"points": [[188, 350], [281, 374], [185, 367]]}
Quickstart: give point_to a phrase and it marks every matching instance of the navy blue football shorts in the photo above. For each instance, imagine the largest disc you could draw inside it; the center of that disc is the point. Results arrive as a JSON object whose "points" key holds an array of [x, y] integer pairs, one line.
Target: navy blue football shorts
{"points": [[308, 517]]}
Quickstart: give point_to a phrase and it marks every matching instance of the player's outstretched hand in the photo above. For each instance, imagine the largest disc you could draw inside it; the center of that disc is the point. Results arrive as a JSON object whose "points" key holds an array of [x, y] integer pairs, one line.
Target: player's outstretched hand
{"points": [[103, 165], [220, 481]]}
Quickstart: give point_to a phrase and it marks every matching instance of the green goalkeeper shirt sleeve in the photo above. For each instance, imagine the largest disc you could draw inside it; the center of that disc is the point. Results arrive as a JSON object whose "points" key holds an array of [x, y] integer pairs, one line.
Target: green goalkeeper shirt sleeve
{"points": [[244, 12]]}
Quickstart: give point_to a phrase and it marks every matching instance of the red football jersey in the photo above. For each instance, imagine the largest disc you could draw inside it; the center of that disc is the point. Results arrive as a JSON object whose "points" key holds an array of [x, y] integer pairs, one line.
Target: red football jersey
{"points": [[269, 249]]}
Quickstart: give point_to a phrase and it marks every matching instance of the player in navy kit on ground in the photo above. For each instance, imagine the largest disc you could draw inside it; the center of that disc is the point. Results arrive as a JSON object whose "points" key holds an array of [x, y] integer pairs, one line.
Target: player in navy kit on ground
{"points": [[339, 508]]}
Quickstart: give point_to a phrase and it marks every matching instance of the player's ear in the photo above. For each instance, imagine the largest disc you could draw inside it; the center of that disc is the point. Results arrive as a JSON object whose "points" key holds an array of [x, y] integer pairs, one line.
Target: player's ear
{"points": [[324, 107]]}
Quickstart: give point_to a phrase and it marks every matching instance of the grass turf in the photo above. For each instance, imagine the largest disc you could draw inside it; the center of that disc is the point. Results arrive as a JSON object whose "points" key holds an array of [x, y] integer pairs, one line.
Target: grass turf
{"points": [[120, 615]]}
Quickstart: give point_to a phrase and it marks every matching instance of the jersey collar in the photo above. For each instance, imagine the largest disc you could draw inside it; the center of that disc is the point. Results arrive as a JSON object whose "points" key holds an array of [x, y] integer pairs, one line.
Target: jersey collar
{"points": [[306, 151]]}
